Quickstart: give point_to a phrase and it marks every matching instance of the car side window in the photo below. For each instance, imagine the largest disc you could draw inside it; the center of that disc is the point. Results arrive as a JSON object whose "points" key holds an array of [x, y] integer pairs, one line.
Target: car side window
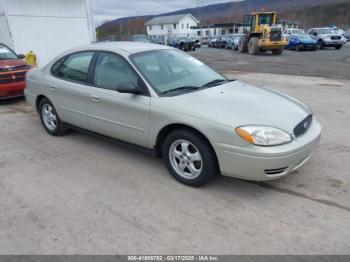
{"points": [[74, 68], [112, 70]]}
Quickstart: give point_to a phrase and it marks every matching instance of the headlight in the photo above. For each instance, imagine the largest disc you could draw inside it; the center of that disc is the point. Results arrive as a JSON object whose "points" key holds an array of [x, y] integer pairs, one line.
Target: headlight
{"points": [[263, 135]]}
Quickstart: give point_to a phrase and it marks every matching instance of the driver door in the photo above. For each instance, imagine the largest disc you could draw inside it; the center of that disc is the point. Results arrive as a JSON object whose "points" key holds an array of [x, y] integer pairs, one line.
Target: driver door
{"points": [[118, 115]]}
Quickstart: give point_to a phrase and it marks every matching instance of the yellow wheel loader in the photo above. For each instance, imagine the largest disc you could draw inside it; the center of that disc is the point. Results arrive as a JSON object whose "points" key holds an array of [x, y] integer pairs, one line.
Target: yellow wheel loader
{"points": [[262, 33]]}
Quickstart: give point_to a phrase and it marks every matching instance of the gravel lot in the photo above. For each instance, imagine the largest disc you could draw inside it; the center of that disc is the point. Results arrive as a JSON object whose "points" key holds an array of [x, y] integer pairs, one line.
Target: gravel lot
{"points": [[79, 194], [325, 63]]}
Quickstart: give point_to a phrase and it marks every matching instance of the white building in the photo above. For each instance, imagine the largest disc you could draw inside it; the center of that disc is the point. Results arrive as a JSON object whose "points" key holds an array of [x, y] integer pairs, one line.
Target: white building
{"points": [[174, 25], [48, 27]]}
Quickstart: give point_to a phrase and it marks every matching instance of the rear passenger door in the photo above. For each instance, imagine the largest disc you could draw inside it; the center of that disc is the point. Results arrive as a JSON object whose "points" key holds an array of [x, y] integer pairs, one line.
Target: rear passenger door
{"points": [[68, 88], [118, 115]]}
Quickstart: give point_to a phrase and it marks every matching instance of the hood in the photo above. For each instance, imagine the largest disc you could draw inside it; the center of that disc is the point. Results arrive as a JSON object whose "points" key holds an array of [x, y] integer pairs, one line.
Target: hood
{"points": [[238, 104], [12, 63]]}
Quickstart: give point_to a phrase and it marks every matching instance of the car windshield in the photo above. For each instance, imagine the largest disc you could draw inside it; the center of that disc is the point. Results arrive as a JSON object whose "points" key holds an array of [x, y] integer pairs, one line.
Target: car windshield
{"points": [[7, 54], [303, 37], [326, 31], [173, 70], [298, 32]]}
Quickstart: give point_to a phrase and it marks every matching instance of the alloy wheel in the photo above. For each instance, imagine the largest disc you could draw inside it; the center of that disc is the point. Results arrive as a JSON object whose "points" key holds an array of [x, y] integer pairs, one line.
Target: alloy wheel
{"points": [[185, 159], [49, 117]]}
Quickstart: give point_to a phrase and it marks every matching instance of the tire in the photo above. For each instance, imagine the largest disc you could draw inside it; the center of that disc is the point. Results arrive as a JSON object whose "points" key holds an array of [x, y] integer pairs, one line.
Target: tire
{"points": [[338, 47], [277, 51], [243, 44], [253, 46], [50, 119], [320, 45], [177, 149], [297, 48]]}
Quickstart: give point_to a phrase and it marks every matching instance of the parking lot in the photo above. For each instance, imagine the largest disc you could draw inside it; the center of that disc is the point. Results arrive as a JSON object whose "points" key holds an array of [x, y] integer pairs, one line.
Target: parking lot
{"points": [[79, 194], [327, 63]]}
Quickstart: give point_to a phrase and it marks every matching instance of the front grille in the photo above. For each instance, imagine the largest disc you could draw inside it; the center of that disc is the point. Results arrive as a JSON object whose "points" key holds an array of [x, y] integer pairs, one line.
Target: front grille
{"points": [[14, 68], [11, 93], [303, 126], [277, 171], [13, 77], [276, 35], [336, 37]]}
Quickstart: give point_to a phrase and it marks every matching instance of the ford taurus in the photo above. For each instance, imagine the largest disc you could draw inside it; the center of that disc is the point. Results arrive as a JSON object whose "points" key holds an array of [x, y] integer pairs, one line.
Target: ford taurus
{"points": [[201, 123]]}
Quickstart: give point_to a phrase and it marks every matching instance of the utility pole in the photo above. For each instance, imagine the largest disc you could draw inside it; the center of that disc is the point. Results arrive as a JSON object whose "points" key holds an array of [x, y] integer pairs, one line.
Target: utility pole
{"points": [[199, 4]]}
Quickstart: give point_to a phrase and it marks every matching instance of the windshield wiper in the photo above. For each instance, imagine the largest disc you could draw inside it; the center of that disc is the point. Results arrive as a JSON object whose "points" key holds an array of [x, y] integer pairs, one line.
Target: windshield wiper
{"points": [[181, 88], [215, 82]]}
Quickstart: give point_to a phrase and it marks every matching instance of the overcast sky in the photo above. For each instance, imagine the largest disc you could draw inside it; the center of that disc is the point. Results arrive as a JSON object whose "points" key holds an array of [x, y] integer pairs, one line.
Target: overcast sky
{"points": [[113, 9]]}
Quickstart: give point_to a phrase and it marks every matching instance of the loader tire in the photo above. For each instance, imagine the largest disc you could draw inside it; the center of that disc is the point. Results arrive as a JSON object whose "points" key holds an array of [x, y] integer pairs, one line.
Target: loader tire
{"points": [[243, 44], [253, 46]]}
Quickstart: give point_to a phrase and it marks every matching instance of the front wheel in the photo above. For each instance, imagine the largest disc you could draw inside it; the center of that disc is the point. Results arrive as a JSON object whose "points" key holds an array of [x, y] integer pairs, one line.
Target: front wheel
{"points": [[338, 47], [50, 119], [243, 44], [320, 45], [189, 158], [253, 46]]}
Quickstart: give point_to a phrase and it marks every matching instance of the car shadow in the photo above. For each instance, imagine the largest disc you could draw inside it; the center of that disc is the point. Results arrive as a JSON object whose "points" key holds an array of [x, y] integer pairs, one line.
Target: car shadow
{"points": [[11, 101]]}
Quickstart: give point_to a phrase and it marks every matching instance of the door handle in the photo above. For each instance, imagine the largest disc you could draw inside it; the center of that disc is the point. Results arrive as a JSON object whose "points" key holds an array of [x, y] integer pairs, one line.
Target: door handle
{"points": [[94, 98], [53, 88]]}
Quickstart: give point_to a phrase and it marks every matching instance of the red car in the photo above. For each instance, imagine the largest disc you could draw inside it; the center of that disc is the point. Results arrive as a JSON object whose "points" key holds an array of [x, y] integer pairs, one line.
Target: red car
{"points": [[13, 71]]}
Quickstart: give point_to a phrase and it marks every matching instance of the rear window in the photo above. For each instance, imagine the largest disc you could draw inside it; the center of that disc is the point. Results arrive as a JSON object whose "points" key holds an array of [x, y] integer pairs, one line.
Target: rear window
{"points": [[74, 67]]}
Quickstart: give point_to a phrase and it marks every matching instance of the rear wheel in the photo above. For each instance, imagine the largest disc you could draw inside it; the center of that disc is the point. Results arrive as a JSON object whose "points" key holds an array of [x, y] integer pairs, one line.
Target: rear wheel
{"points": [[253, 46], [243, 44], [50, 119], [277, 51], [297, 48], [189, 158]]}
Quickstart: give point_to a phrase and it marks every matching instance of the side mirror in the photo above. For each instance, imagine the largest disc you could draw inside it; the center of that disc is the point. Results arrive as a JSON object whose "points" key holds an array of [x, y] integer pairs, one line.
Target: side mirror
{"points": [[128, 88], [21, 56]]}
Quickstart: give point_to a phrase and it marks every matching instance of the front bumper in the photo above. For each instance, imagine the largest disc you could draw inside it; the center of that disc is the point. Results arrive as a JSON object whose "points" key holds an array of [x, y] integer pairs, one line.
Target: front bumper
{"points": [[332, 43], [308, 46], [267, 163], [11, 90]]}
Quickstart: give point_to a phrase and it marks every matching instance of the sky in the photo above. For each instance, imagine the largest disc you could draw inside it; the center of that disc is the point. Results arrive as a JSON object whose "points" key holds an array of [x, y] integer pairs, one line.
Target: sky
{"points": [[112, 9]]}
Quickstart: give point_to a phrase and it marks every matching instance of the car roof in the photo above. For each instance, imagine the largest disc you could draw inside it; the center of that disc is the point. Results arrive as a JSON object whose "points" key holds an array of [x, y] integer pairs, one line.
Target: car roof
{"points": [[128, 47]]}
